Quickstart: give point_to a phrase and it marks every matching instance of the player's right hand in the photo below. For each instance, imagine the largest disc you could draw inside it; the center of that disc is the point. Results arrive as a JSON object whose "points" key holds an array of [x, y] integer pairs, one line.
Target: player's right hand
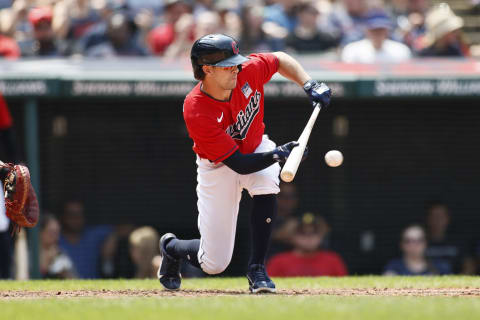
{"points": [[281, 153]]}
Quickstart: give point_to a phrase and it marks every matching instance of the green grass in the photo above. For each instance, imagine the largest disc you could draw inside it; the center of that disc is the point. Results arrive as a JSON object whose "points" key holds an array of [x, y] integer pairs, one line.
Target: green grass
{"points": [[246, 306], [241, 283]]}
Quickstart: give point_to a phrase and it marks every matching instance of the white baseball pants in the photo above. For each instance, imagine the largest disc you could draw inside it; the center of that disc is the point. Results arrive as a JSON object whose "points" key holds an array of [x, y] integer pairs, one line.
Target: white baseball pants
{"points": [[219, 191]]}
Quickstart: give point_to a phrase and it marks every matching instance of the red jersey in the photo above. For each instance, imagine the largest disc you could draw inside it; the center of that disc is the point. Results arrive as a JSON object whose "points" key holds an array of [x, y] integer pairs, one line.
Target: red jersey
{"points": [[219, 128], [321, 263]]}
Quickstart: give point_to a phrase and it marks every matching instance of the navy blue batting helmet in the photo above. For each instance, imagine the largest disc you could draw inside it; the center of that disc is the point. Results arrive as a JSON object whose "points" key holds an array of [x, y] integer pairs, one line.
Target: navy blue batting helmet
{"points": [[215, 50]]}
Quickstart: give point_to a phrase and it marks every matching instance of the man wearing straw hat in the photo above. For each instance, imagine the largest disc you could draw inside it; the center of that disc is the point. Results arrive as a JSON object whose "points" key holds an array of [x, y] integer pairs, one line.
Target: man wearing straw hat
{"points": [[444, 37]]}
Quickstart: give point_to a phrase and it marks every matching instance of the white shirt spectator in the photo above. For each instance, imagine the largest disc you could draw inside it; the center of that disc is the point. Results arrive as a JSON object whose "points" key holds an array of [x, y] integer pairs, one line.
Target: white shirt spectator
{"points": [[363, 51]]}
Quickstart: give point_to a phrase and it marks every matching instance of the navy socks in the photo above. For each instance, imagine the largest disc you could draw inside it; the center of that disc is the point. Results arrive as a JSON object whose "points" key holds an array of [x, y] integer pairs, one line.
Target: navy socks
{"points": [[262, 219], [184, 249]]}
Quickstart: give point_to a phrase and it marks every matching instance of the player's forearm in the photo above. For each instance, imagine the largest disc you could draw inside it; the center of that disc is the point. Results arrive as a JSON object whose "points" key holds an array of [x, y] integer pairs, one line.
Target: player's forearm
{"points": [[249, 163], [291, 69]]}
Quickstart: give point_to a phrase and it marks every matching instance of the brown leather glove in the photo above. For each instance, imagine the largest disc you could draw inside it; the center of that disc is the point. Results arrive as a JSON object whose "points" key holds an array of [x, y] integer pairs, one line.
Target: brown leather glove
{"points": [[20, 199]]}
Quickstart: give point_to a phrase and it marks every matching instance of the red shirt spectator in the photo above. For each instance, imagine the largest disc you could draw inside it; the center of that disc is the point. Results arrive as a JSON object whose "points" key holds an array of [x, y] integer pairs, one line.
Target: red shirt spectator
{"points": [[306, 259], [8, 48], [161, 37], [320, 263]]}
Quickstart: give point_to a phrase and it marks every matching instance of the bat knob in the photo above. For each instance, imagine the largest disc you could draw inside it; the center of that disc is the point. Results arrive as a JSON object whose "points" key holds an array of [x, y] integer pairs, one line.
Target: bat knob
{"points": [[286, 176]]}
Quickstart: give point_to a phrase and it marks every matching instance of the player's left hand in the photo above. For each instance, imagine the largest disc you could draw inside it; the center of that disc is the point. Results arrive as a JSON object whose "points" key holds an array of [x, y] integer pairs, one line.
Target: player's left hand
{"points": [[281, 153], [318, 92]]}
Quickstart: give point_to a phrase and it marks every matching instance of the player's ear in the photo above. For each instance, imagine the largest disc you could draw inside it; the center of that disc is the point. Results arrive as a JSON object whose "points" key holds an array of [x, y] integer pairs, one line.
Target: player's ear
{"points": [[207, 69]]}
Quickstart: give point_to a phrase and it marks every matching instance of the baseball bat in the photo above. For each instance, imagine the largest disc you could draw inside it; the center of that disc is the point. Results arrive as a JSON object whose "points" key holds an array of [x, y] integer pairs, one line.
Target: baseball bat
{"points": [[291, 165]]}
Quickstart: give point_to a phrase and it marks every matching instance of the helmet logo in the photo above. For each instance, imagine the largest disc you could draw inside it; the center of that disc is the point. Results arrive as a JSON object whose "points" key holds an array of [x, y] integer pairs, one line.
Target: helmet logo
{"points": [[235, 47]]}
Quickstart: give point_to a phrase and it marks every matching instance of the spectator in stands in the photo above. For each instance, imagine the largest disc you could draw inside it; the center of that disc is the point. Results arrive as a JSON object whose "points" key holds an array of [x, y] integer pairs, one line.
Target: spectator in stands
{"points": [[441, 244], [83, 244], [286, 222], [143, 248], [409, 20], [346, 21], [306, 259], [116, 261], [253, 38], [115, 38], [444, 37], [306, 36], [282, 12], [208, 22], [229, 20], [279, 21], [44, 44], [414, 262], [178, 22], [9, 48], [14, 21], [376, 48], [54, 264], [72, 19]]}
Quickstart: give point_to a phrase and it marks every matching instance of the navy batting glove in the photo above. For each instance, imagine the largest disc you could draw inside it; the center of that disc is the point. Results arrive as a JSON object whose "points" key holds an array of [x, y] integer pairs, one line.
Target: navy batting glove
{"points": [[318, 93], [281, 153]]}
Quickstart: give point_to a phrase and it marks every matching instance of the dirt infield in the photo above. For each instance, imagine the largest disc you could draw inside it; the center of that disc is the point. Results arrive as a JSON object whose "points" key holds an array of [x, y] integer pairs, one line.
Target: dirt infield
{"points": [[445, 292]]}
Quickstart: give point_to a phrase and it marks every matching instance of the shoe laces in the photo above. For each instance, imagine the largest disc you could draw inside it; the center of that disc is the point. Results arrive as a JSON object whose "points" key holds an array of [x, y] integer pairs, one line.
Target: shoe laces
{"points": [[259, 273]]}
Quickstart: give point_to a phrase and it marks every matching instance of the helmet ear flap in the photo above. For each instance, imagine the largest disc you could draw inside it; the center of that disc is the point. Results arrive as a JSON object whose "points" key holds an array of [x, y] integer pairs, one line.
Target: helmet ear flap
{"points": [[198, 72], [197, 69]]}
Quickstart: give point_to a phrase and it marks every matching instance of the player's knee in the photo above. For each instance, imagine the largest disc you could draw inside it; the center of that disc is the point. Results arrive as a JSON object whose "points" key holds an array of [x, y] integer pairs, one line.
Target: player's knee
{"points": [[215, 267]]}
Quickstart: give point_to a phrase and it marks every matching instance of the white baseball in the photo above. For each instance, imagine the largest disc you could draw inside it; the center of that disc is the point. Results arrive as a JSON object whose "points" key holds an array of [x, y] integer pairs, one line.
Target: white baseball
{"points": [[333, 158]]}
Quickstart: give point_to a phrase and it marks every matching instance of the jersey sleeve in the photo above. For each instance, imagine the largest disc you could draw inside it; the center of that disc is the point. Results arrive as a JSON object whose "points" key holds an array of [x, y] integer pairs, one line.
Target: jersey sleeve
{"points": [[210, 140], [266, 65]]}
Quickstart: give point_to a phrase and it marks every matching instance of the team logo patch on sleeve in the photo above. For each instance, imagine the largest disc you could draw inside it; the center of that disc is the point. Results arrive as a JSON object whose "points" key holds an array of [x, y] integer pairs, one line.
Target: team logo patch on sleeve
{"points": [[247, 91]]}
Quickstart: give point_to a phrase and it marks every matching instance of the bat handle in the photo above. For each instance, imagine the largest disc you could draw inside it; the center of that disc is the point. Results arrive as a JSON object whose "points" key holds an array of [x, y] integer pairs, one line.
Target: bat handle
{"points": [[291, 165]]}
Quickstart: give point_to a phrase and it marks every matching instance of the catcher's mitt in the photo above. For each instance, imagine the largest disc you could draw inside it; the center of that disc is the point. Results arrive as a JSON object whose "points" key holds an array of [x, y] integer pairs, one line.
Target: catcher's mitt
{"points": [[20, 199]]}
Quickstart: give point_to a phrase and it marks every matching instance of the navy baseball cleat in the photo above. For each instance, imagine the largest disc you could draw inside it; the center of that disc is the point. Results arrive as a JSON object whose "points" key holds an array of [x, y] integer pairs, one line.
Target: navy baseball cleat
{"points": [[258, 280], [169, 271]]}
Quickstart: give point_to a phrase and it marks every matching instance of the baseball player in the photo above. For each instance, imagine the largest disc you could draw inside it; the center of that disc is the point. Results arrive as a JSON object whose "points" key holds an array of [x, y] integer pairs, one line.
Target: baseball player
{"points": [[224, 118]]}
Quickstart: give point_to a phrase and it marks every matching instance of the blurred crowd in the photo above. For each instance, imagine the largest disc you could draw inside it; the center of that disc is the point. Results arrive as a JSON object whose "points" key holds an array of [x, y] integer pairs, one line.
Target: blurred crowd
{"points": [[302, 245], [366, 31]]}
